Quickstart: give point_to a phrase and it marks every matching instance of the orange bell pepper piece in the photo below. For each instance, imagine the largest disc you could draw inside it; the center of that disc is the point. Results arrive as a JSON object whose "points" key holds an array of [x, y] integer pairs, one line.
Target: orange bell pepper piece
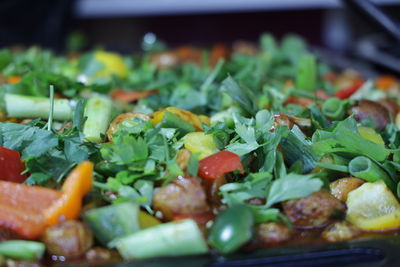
{"points": [[13, 79], [385, 82], [130, 96], [28, 210], [69, 205]]}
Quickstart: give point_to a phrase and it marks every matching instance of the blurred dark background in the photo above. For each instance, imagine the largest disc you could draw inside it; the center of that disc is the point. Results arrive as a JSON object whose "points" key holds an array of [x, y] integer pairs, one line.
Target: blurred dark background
{"points": [[120, 24]]}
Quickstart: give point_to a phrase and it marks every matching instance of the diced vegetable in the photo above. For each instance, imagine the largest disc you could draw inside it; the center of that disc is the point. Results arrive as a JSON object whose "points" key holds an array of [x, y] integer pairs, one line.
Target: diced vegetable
{"points": [[21, 206], [114, 221], [373, 206], [168, 239], [22, 249], [219, 164], [147, 221], [21, 106], [371, 135], [171, 120], [98, 113], [199, 142], [363, 167], [195, 120], [346, 92], [232, 229], [69, 205], [27, 210], [11, 166], [113, 64], [14, 79], [334, 108], [306, 76], [385, 82], [129, 96]]}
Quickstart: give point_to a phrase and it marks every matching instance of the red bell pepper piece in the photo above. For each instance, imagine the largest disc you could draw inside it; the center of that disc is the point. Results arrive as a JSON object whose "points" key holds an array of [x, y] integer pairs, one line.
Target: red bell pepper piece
{"points": [[21, 206], [11, 166], [346, 92], [27, 210], [219, 164]]}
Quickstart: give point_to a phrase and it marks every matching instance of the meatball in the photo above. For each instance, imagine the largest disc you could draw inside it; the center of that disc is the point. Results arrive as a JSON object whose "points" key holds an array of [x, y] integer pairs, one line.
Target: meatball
{"points": [[68, 239], [183, 196], [101, 255], [342, 187], [340, 231], [273, 233], [316, 210]]}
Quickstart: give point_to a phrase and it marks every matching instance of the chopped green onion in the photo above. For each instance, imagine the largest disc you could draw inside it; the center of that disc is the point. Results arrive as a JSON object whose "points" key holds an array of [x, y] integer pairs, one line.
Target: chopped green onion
{"points": [[334, 108], [98, 112], [364, 168], [51, 112], [21, 106], [211, 77], [167, 239], [22, 249], [306, 76]]}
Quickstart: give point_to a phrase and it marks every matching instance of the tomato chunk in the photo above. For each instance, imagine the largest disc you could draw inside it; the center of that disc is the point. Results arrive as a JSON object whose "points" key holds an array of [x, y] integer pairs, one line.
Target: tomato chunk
{"points": [[219, 164], [11, 166], [346, 92]]}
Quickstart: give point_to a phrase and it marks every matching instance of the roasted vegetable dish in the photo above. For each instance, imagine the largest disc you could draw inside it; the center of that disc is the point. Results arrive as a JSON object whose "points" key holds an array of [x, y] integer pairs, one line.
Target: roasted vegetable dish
{"points": [[185, 151]]}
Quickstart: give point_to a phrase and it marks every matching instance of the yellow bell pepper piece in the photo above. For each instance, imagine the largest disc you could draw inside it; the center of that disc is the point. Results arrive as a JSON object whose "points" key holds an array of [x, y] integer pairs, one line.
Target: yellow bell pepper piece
{"points": [[199, 142], [373, 206], [371, 135], [185, 115], [147, 221], [113, 64]]}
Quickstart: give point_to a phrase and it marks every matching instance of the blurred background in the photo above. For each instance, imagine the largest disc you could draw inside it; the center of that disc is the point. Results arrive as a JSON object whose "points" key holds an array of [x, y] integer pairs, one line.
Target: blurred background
{"points": [[341, 27]]}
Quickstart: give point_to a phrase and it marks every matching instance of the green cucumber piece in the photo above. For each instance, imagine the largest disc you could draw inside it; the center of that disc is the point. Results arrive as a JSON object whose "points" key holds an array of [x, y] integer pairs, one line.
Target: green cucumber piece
{"points": [[167, 239], [114, 221], [22, 249]]}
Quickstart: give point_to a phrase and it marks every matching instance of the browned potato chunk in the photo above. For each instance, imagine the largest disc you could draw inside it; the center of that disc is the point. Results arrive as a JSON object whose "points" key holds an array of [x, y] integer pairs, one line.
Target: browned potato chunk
{"points": [[69, 239], [182, 158], [342, 187], [183, 196], [273, 233], [114, 126], [316, 210], [340, 231]]}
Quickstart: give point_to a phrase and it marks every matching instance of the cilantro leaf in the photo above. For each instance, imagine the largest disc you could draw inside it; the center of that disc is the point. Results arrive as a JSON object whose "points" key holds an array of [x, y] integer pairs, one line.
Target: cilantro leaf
{"points": [[292, 186], [29, 141], [125, 149]]}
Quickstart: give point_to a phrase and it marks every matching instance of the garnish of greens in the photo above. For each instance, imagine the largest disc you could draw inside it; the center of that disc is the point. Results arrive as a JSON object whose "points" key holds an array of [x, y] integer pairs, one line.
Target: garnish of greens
{"points": [[248, 104]]}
